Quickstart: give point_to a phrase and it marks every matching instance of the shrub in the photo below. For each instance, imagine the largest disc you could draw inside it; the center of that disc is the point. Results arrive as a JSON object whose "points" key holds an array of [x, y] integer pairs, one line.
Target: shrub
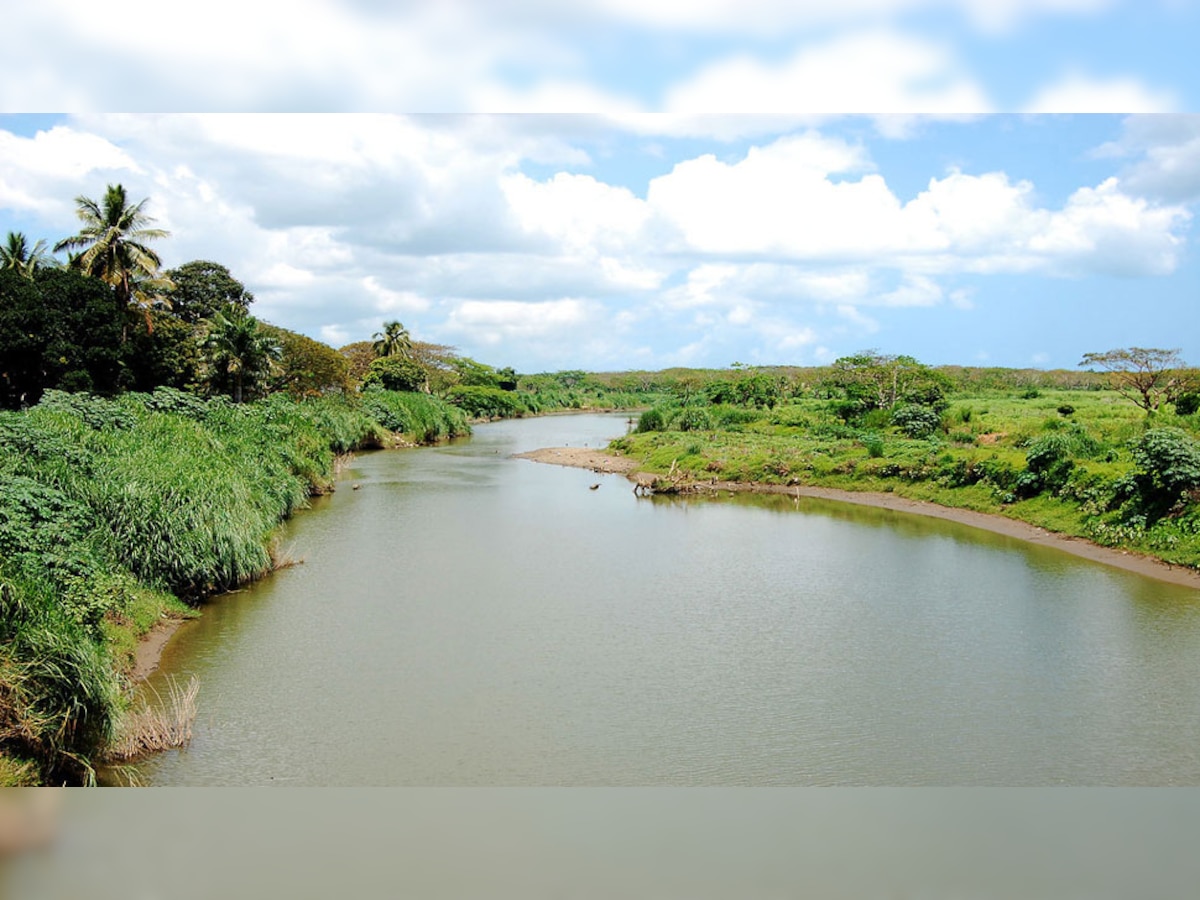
{"points": [[1187, 404], [651, 420], [916, 421], [485, 402], [1168, 469], [1048, 465], [693, 418], [874, 444]]}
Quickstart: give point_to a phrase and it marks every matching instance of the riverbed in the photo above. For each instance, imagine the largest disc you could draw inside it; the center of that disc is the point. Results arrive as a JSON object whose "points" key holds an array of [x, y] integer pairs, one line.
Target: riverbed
{"points": [[467, 618]]}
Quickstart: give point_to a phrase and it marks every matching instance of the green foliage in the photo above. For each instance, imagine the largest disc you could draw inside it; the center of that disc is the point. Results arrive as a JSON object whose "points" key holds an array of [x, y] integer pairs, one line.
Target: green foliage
{"points": [[394, 340], [394, 373], [475, 374], [423, 417], [651, 420], [112, 247], [1167, 476], [202, 288], [103, 503], [1186, 404], [305, 368], [485, 402], [238, 354], [58, 329], [694, 418], [916, 421]]}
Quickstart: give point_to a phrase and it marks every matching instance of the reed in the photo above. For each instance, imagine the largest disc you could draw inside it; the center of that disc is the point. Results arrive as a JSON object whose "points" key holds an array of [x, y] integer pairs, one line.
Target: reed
{"points": [[163, 724]]}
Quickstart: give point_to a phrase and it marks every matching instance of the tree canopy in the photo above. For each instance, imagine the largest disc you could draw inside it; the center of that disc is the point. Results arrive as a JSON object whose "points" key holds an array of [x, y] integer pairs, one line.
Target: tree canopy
{"points": [[112, 247], [1144, 375], [202, 288]]}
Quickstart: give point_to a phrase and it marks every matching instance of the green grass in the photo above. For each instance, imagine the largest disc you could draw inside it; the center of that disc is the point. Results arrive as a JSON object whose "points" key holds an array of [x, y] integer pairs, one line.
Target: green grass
{"points": [[977, 460], [113, 510]]}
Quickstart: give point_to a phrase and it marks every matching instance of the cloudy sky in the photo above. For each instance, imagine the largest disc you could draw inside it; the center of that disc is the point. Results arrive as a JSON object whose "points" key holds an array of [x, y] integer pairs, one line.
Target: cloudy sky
{"points": [[630, 184]]}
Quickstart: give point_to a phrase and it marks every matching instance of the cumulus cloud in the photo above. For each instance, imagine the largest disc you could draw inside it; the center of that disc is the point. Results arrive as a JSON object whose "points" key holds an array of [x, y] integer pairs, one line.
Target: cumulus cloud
{"points": [[36, 172], [1075, 92], [797, 199], [878, 72], [1165, 154]]}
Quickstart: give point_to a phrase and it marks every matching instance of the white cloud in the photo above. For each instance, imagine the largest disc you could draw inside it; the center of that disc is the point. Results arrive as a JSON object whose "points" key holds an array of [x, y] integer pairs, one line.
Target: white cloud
{"points": [[1075, 92], [768, 17], [41, 173], [876, 73], [1166, 156], [491, 322], [784, 201], [386, 300]]}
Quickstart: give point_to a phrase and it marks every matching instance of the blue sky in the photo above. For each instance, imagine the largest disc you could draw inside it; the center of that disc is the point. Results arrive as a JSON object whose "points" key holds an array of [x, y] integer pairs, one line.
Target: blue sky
{"points": [[618, 184]]}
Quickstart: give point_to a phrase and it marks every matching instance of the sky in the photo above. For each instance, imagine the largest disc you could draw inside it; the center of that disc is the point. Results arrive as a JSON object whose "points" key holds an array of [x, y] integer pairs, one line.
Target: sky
{"points": [[624, 184]]}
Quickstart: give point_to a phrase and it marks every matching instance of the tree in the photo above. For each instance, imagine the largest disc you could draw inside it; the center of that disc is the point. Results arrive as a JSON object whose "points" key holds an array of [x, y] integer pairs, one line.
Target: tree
{"points": [[58, 329], [307, 368], [18, 256], [238, 353], [394, 340], [872, 380], [202, 288], [392, 373], [1142, 374], [112, 247]]}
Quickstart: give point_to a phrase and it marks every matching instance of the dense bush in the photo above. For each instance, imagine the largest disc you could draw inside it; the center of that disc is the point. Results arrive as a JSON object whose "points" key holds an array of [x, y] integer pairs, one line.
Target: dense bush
{"points": [[394, 373], [485, 402], [1168, 471], [652, 419], [694, 418], [916, 421]]}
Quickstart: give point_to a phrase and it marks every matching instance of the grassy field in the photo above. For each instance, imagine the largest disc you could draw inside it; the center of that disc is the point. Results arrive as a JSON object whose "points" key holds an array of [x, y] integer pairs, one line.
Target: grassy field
{"points": [[1080, 462]]}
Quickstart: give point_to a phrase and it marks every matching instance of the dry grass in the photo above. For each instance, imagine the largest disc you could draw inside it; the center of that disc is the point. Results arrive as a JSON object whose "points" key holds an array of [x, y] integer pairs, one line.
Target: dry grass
{"points": [[162, 725]]}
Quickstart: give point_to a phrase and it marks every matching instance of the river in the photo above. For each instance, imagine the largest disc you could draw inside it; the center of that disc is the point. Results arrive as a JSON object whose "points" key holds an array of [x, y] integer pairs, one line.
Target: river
{"points": [[465, 618]]}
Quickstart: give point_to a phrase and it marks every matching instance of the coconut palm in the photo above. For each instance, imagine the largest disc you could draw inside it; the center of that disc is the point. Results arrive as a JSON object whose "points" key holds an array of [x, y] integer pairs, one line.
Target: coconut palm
{"points": [[239, 354], [393, 341], [16, 254], [112, 247]]}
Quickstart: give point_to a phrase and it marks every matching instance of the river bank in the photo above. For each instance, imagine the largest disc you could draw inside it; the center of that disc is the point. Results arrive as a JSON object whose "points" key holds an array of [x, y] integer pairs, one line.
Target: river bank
{"points": [[1149, 567]]}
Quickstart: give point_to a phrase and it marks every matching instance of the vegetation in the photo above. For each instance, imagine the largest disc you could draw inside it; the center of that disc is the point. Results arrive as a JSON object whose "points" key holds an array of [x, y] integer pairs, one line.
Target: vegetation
{"points": [[112, 247], [1077, 459], [112, 509]]}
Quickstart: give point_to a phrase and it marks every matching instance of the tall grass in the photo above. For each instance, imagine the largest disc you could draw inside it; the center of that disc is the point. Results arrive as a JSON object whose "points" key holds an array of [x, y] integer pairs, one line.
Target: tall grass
{"points": [[105, 507], [421, 417]]}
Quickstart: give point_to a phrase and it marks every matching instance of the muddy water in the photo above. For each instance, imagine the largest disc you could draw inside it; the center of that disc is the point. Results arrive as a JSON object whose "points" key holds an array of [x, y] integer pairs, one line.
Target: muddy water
{"points": [[464, 618]]}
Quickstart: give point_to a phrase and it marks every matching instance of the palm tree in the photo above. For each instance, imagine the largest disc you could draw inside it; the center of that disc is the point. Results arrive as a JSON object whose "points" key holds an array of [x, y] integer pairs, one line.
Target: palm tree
{"points": [[393, 341], [238, 353], [112, 248], [16, 254]]}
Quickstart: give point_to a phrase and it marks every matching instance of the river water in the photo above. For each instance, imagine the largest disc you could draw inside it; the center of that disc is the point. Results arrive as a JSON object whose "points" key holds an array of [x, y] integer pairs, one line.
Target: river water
{"points": [[465, 618]]}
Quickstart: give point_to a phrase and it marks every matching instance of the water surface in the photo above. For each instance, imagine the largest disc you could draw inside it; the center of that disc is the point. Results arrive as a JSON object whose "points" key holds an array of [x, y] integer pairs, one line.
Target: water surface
{"points": [[465, 618]]}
